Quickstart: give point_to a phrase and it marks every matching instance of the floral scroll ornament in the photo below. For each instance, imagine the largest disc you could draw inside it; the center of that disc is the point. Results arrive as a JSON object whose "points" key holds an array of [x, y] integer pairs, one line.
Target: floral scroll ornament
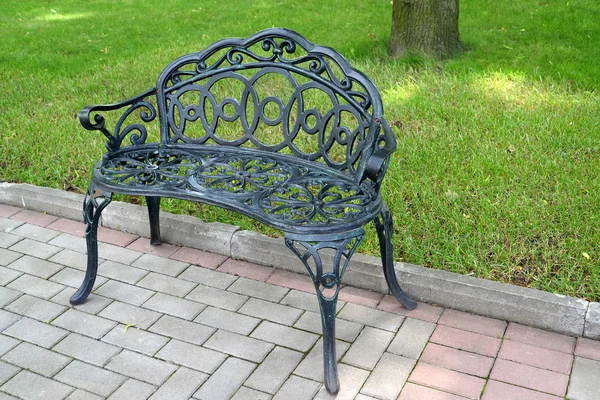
{"points": [[317, 202], [159, 167], [242, 174]]}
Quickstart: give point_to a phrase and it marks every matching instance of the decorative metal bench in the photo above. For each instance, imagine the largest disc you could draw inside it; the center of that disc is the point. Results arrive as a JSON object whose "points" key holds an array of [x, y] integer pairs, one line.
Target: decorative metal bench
{"points": [[271, 126]]}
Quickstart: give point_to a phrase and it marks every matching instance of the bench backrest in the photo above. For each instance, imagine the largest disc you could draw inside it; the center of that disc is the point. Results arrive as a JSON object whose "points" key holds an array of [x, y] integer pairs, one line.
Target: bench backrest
{"points": [[273, 91]]}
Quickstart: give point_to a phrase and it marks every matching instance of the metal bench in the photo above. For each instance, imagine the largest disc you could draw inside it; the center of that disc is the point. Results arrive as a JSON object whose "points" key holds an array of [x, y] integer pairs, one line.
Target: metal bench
{"points": [[273, 127]]}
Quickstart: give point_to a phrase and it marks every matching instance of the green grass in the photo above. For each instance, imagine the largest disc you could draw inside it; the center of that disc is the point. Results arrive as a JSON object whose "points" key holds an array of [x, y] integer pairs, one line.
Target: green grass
{"points": [[496, 173]]}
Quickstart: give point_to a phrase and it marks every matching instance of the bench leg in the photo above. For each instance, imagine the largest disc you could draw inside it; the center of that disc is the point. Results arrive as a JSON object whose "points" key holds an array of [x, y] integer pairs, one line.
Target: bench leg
{"points": [[385, 229], [327, 286], [93, 204], [153, 204]]}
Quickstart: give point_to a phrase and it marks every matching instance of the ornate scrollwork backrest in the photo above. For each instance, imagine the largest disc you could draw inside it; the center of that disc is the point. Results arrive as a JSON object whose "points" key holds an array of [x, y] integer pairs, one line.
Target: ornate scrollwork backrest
{"points": [[308, 99]]}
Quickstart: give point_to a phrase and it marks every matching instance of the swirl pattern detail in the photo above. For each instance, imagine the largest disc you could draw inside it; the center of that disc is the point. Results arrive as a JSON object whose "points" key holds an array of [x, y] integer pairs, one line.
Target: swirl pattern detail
{"points": [[241, 174], [309, 107], [317, 202], [154, 168]]}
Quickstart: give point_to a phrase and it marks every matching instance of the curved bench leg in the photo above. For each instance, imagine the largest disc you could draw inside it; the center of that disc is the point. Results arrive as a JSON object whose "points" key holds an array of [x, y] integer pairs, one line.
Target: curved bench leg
{"points": [[92, 209], [153, 204], [327, 285], [385, 229]]}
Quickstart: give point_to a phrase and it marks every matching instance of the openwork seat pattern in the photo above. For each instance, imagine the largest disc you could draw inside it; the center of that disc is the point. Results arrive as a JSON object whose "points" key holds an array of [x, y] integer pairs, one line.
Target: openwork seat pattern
{"points": [[281, 191], [273, 127]]}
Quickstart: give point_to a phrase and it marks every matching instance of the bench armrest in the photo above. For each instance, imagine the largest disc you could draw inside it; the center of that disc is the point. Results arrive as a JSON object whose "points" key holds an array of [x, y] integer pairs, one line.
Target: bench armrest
{"points": [[115, 138], [378, 162]]}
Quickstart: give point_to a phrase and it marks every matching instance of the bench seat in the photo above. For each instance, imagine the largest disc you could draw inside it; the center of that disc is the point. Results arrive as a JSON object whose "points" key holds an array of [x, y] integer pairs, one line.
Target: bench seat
{"points": [[280, 190]]}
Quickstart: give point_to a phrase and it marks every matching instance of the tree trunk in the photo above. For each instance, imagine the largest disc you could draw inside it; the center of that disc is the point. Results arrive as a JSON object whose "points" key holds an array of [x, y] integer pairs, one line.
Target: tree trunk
{"points": [[425, 27]]}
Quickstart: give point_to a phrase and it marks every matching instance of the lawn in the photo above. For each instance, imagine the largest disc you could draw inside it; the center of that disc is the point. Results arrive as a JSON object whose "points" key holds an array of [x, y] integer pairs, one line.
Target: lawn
{"points": [[496, 173]]}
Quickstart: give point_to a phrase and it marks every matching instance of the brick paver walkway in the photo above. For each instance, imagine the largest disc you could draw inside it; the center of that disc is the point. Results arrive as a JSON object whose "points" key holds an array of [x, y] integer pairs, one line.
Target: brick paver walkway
{"points": [[176, 323]]}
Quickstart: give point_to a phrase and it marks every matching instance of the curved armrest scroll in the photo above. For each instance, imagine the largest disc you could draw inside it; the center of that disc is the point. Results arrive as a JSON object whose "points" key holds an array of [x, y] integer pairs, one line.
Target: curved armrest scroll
{"points": [[115, 138], [379, 160]]}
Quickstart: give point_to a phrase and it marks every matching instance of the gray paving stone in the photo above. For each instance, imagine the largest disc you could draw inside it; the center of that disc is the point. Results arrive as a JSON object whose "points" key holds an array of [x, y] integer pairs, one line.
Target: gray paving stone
{"points": [[71, 259], [351, 380], [273, 372], [4, 396], [83, 323], [245, 393], [194, 357], [305, 301], [239, 346], [7, 239], [79, 394], [388, 377], [7, 371], [7, 343], [208, 277], [412, 338], [226, 380], [119, 254], [271, 311], [181, 329], [141, 367], [180, 386], [93, 305], [8, 295], [166, 284], [217, 297], [70, 242], [135, 339], [124, 292], [35, 266], [8, 275], [261, 290], [312, 365], [583, 384], [174, 306], [8, 225], [161, 265], [227, 320], [345, 330], [35, 308], [36, 359], [35, 232], [121, 272], [83, 348], [7, 319], [91, 378], [133, 389], [36, 332], [363, 397], [73, 278], [285, 336], [368, 348], [30, 386], [8, 256], [297, 388], [35, 286], [130, 315], [35, 248], [371, 317]]}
